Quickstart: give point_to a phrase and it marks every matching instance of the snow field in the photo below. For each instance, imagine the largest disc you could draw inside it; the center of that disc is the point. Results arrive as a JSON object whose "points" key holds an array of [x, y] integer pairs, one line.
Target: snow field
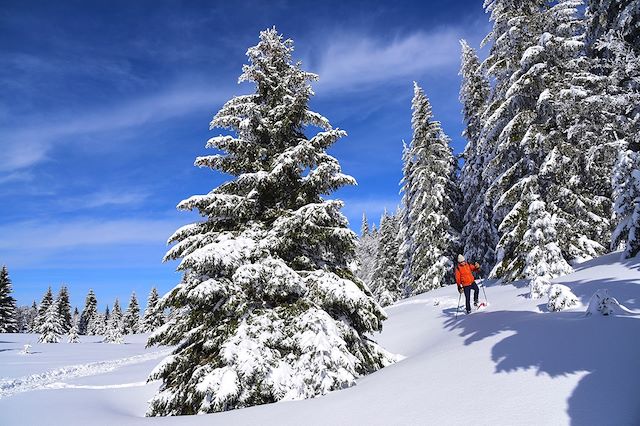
{"points": [[513, 364]]}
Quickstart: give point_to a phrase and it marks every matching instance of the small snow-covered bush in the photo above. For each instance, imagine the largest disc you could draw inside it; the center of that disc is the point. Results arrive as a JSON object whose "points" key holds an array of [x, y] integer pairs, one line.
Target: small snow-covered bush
{"points": [[561, 298]]}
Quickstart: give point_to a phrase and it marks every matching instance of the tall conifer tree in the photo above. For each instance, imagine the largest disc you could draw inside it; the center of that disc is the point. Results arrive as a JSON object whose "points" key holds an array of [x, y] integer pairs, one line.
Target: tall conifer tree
{"points": [[8, 311], [429, 193], [269, 266], [153, 316], [478, 236], [89, 313], [64, 308]]}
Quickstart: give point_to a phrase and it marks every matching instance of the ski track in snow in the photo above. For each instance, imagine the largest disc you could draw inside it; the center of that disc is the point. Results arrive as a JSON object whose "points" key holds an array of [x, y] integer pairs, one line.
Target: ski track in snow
{"points": [[61, 385], [52, 379]]}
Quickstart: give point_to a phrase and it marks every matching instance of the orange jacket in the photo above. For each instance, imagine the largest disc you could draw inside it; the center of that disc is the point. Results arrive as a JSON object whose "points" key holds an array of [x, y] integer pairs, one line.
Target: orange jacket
{"points": [[464, 274]]}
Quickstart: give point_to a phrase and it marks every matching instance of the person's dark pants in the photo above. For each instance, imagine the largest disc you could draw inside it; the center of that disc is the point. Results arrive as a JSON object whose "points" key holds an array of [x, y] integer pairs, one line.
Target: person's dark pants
{"points": [[467, 295]]}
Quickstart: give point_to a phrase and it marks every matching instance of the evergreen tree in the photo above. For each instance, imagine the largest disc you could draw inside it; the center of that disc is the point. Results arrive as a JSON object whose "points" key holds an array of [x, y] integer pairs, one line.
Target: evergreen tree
{"points": [[73, 331], [621, 16], [515, 25], [612, 87], [51, 329], [22, 321], [533, 151], [429, 191], [45, 303], [387, 269], [575, 184], [8, 311], [626, 181], [268, 308], [113, 331], [89, 313], [64, 308], [366, 253], [543, 259], [97, 325], [364, 228], [478, 236], [116, 314], [132, 316], [406, 242], [33, 318], [153, 316]]}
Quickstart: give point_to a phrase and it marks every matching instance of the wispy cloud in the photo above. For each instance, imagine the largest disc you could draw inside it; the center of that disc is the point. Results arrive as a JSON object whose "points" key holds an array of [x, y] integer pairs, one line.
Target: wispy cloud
{"points": [[354, 62], [20, 176], [29, 145], [125, 197], [33, 237]]}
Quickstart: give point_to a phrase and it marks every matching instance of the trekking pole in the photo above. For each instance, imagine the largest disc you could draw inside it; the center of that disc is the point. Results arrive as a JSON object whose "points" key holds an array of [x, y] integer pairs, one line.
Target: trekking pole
{"points": [[458, 306]]}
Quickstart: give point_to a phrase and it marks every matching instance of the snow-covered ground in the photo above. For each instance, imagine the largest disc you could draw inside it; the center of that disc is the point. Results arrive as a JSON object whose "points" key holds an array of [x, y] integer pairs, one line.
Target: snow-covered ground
{"points": [[511, 364]]}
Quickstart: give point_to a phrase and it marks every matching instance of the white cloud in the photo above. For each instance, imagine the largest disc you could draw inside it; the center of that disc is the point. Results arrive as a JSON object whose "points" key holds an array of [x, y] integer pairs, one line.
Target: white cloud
{"points": [[41, 237], [29, 145], [352, 63], [106, 198]]}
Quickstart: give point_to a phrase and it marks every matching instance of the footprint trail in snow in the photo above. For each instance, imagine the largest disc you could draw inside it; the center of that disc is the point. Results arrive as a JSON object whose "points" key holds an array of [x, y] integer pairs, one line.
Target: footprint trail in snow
{"points": [[52, 379]]}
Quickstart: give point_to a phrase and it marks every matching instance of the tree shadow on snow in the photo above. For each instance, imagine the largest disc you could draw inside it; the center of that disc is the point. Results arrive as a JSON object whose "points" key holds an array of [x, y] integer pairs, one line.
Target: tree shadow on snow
{"points": [[626, 292], [558, 344]]}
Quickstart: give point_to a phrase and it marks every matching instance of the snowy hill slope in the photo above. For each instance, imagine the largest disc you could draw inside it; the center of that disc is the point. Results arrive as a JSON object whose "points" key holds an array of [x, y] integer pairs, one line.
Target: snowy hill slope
{"points": [[513, 363]]}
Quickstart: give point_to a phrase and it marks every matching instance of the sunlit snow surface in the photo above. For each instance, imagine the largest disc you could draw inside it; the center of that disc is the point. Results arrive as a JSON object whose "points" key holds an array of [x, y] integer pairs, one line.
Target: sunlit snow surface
{"points": [[513, 363]]}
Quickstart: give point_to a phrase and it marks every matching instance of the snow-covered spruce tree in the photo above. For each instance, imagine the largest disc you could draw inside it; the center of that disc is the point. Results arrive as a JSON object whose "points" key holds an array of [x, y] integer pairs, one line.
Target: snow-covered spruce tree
{"points": [[477, 237], [97, 325], [33, 318], [268, 308], [64, 308], [613, 88], [22, 313], [574, 180], [387, 269], [621, 16], [406, 243], [430, 240], [366, 253], [116, 314], [539, 247], [533, 152], [131, 318], [51, 328], [509, 37], [113, 330], [8, 311], [43, 308], [153, 316], [89, 312], [73, 331], [626, 182]]}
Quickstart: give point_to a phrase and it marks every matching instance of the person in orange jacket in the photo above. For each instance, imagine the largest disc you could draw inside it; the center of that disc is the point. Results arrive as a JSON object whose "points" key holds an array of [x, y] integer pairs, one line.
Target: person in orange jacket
{"points": [[466, 281]]}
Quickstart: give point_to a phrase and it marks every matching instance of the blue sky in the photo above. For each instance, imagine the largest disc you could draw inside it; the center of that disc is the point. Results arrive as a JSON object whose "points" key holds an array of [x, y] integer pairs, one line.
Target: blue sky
{"points": [[106, 104]]}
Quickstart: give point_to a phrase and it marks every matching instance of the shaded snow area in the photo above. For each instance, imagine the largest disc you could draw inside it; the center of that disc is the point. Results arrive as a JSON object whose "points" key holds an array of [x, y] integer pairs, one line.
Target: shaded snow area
{"points": [[513, 363]]}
